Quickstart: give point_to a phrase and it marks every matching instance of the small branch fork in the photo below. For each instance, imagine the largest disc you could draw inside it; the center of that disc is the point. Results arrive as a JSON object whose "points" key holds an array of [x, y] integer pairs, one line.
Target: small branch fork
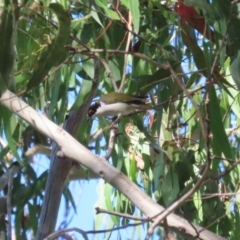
{"points": [[98, 211], [111, 143]]}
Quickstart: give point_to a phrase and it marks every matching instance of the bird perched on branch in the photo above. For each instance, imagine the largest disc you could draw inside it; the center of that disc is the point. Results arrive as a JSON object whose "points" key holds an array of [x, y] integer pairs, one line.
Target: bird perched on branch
{"points": [[117, 104]]}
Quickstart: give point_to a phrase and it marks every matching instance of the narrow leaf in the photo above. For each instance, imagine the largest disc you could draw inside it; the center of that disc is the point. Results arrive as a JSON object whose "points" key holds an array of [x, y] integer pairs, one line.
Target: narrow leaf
{"points": [[47, 58], [220, 141], [235, 68], [134, 9]]}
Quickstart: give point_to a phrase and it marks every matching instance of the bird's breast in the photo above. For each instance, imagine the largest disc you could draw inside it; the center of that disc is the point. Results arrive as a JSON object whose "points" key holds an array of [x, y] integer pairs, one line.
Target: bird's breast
{"points": [[114, 109]]}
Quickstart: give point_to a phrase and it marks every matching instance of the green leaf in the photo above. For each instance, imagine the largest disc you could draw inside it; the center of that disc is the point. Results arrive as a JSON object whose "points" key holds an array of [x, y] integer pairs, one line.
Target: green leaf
{"points": [[115, 69], [146, 83], [158, 173], [235, 68], [108, 201], [133, 6], [198, 204], [6, 47], [69, 198], [88, 67], [55, 52], [110, 13], [95, 16], [4, 151], [220, 141], [33, 213], [134, 9], [170, 188], [85, 89], [133, 170], [9, 121], [84, 129], [234, 101], [55, 93]]}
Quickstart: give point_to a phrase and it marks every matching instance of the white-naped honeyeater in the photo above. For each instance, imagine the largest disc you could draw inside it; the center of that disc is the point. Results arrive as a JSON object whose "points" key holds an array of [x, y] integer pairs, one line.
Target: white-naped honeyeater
{"points": [[117, 104]]}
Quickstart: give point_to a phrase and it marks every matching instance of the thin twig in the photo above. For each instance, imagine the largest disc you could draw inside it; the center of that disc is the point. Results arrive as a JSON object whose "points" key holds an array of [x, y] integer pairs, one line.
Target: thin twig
{"points": [[62, 231], [104, 63], [224, 159], [168, 234], [216, 58], [140, 55], [222, 174], [188, 94], [228, 112], [4, 178], [9, 206], [84, 233], [111, 143], [100, 210], [9, 210], [96, 135], [213, 195], [127, 47], [107, 68]]}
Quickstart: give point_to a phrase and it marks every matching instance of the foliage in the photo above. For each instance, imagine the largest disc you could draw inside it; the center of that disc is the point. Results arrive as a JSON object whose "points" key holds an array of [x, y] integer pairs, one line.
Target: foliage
{"points": [[142, 47]]}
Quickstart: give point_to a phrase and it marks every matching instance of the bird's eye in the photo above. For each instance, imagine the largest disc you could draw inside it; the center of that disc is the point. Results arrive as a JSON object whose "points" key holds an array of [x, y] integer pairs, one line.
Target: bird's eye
{"points": [[90, 112], [92, 109]]}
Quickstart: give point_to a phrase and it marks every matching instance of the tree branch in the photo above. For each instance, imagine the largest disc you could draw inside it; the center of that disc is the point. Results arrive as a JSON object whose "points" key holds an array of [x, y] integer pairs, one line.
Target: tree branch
{"points": [[72, 149], [59, 171]]}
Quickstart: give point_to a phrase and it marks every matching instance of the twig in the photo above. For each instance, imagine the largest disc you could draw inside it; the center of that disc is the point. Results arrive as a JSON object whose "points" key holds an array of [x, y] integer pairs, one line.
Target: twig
{"points": [[113, 134], [168, 234], [9, 207], [104, 63], [222, 45], [38, 149], [62, 231], [115, 229], [223, 159], [11, 173], [56, 27], [140, 55], [4, 178], [107, 68], [213, 222], [84, 233], [188, 94], [9, 156], [230, 107], [145, 219], [222, 174], [104, 30], [129, 36], [96, 135], [213, 195]]}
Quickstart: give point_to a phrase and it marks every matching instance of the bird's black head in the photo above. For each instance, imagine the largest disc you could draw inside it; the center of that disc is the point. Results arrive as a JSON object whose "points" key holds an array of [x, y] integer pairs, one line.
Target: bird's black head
{"points": [[92, 109]]}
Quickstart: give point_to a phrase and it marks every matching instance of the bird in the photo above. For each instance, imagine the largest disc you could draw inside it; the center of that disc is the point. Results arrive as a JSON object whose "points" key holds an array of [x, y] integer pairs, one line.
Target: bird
{"points": [[117, 104]]}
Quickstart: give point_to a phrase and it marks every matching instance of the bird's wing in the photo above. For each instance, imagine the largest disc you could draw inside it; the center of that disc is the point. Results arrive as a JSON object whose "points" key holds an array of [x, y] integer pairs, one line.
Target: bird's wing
{"points": [[122, 97]]}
